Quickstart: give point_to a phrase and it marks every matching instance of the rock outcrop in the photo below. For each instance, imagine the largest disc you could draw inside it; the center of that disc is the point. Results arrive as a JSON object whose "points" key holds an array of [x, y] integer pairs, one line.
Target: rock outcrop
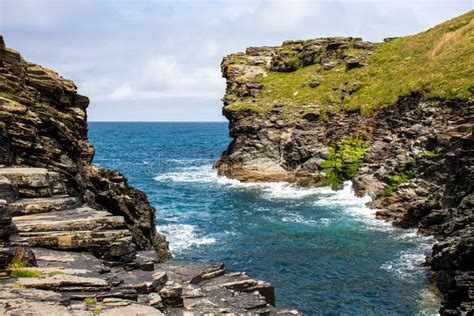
{"points": [[294, 116], [43, 123], [72, 283]]}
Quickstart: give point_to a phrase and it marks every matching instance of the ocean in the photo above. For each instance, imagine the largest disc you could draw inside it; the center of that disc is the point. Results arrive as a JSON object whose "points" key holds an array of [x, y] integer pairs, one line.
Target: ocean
{"points": [[322, 250]]}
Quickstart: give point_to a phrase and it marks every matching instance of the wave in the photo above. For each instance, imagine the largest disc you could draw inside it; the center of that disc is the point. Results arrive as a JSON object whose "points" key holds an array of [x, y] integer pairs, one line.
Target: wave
{"points": [[407, 264], [205, 174], [183, 236], [199, 174]]}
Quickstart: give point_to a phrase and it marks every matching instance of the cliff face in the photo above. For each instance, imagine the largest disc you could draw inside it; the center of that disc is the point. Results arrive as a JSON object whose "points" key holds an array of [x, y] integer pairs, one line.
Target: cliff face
{"points": [[43, 123], [396, 118]]}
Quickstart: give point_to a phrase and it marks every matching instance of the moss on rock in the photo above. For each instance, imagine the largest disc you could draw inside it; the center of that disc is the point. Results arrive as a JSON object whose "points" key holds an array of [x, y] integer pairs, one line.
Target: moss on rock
{"points": [[343, 161]]}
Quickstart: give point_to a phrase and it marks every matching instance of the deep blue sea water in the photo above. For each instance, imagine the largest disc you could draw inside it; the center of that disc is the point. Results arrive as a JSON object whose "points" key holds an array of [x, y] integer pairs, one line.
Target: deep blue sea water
{"points": [[322, 250]]}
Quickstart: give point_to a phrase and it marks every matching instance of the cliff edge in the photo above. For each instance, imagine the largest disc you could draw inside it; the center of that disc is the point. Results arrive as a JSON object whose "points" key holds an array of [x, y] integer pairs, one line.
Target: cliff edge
{"points": [[395, 117]]}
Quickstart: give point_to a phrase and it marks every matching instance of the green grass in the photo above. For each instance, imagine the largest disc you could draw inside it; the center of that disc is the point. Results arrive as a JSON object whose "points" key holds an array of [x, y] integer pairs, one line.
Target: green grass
{"points": [[20, 259], [17, 263], [437, 63], [343, 161], [25, 273], [53, 273], [427, 154], [97, 309], [7, 95]]}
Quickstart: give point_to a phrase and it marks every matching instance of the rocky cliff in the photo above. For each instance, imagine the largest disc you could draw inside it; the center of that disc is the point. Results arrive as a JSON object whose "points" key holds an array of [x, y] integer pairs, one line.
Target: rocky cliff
{"points": [[76, 239], [43, 123], [396, 118]]}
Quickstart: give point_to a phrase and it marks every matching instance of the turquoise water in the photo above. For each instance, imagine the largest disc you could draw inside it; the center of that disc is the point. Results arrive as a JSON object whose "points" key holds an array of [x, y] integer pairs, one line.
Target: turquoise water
{"points": [[322, 250]]}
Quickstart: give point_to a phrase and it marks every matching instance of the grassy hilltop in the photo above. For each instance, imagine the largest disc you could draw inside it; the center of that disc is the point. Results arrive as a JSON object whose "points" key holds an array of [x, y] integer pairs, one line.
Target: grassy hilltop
{"points": [[438, 63]]}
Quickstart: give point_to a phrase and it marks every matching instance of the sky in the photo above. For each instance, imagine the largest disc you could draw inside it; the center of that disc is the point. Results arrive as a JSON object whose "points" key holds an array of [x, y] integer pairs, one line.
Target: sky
{"points": [[160, 60]]}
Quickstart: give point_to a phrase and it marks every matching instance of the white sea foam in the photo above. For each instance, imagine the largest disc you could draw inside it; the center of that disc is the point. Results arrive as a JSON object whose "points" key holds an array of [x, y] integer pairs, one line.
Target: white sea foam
{"points": [[184, 236], [406, 264], [201, 174], [296, 218]]}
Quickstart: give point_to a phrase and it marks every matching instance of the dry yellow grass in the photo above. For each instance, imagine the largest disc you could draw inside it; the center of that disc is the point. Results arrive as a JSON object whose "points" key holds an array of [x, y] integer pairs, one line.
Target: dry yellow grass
{"points": [[451, 38]]}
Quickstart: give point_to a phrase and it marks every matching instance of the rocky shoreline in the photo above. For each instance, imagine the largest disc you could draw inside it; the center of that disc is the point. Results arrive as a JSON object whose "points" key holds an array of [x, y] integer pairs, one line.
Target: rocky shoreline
{"points": [[76, 239], [415, 157]]}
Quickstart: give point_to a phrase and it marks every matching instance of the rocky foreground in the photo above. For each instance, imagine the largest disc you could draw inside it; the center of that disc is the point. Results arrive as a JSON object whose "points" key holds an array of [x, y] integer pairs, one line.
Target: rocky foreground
{"points": [[293, 115], [76, 239]]}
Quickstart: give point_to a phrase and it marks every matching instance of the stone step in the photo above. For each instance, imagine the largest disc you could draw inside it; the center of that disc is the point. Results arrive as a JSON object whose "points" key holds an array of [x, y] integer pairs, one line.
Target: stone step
{"points": [[64, 283], [78, 219], [44, 205], [34, 182], [107, 244]]}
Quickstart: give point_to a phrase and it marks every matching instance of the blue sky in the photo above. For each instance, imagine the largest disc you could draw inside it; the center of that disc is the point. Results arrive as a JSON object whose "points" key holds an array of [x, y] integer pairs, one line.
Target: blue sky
{"points": [[160, 60]]}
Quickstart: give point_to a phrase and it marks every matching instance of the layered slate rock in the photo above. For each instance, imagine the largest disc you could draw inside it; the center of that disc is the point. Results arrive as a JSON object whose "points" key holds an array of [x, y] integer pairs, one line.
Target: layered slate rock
{"points": [[46, 217], [12, 246], [43, 124], [76, 283]]}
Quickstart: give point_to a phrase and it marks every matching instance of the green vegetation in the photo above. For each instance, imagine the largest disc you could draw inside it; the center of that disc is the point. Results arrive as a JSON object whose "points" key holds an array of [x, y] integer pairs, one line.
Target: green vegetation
{"points": [[53, 273], [20, 259], [7, 95], [26, 273], [395, 179], [90, 300], [437, 63], [17, 263], [98, 309], [343, 161], [427, 154]]}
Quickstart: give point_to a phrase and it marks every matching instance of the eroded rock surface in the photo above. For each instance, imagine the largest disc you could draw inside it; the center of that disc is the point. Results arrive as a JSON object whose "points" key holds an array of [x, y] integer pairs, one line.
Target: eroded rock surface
{"points": [[74, 283]]}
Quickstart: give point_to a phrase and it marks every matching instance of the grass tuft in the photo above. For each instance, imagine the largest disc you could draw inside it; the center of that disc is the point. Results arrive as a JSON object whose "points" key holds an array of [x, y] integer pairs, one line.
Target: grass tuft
{"points": [[7, 95], [25, 273], [90, 300]]}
